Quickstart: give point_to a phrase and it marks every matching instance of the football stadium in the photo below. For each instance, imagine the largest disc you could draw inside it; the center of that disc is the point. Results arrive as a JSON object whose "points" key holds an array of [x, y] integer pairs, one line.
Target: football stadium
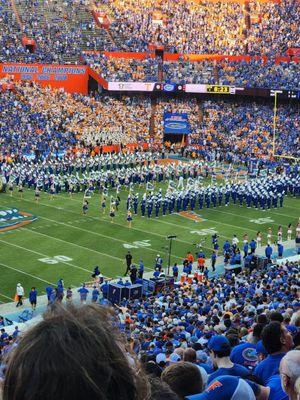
{"points": [[149, 199]]}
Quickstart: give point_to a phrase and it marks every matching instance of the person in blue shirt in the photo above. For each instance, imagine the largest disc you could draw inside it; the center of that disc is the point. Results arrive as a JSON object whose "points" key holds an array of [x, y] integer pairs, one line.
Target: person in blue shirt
{"points": [[104, 289], [141, 269], [277, 341], [33, 297], [273, 391], [246, 249], [83, 292], [16, 332], [95, 294], [244, 354], [268, 252], [49, 289], [252, 246], [175, 271], [219, 351], [226, 246], [156, 273], [280, 250], [227, 388]]}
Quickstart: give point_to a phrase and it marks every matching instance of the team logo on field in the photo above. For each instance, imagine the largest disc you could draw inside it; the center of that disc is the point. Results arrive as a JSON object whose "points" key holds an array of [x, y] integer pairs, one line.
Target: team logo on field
{"points": [[13, 219], [191, 215]]}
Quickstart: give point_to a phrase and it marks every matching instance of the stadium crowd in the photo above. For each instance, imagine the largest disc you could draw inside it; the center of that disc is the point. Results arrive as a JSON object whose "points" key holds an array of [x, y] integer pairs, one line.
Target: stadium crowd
{"points": [[187, 27], [32, 116], [228, 337], [123, 69], [50, 122], [240, 130], [257, 74], [277, 28]]}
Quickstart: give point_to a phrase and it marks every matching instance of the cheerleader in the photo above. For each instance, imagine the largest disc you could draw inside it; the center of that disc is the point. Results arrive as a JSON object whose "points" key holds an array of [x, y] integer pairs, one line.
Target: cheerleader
{"points": [[118, 200], [279, 234], [289, 232], [258, 239], [269, 237], [21, 190], [52, 192], [129, 218], [11, 188], [298, 230], [85, 207], [37, 194], [70, 190], [245, 238], [112, 214], [103, 205]]}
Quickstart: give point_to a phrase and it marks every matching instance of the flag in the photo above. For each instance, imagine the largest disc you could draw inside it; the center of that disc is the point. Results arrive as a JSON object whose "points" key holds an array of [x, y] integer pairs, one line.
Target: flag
{"points": [[149, 186], [172, 185], [112, 201], [190, 183], [87, 194]]}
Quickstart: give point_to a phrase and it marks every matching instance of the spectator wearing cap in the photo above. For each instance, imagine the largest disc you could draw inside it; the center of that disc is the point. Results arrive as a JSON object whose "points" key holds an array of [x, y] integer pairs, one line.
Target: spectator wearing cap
{"points": [[184, 378], [161, 360], [190, 355], [174, 358], [290, 374], [220, 349], [277, 341], [244, 354], [202, 361], [226, 388]]}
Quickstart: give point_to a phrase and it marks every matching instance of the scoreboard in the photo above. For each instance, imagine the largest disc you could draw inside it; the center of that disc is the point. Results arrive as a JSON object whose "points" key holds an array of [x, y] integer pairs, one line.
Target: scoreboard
{"points": [[219, 89]]}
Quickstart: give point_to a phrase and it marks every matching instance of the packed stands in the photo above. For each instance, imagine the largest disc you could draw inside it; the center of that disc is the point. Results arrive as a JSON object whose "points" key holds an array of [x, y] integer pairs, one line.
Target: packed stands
{"points": [[231, 335], [123, 69], [11, 48], [35, 118], [190, 72], [277, 27], [182, 27], [260, 74], [242, 129]]}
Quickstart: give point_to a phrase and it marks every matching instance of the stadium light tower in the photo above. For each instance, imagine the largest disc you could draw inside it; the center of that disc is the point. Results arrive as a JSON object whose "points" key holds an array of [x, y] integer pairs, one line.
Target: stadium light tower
{"points": [[170, 238]]}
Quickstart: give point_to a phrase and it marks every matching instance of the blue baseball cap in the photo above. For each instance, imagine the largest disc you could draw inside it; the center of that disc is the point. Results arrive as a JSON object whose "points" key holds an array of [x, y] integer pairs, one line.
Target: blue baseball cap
{"points": [[226, 388], [219, 343]]}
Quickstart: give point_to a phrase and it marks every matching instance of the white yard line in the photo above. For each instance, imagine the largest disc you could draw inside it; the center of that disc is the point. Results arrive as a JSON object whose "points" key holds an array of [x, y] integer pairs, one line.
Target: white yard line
{"points": [[74, 244], [22, 272], [6, 297]]}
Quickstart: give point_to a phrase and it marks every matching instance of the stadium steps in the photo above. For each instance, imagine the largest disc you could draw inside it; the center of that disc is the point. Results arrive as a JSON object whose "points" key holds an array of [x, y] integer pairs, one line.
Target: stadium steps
{"points": [[79, 19]]}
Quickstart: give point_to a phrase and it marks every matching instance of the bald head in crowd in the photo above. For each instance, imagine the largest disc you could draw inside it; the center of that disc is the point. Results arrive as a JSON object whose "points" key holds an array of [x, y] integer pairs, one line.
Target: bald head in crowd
{"points": [[290, 374]]}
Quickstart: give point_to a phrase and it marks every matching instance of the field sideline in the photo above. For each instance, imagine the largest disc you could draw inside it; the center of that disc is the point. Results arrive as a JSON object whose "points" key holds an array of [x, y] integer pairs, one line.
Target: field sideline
{"points": [[62, 243]]}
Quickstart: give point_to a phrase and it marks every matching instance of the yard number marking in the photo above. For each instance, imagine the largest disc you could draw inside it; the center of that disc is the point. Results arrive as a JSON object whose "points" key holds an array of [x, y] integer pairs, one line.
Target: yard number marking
{"points": [[204, 232], [262, 221], [55, 259], [137, 244]]}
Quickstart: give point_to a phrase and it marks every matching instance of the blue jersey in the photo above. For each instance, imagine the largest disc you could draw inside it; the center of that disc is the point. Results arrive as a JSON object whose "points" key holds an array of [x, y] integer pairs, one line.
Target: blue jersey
{"points": [[236, 370], [268, 367]]}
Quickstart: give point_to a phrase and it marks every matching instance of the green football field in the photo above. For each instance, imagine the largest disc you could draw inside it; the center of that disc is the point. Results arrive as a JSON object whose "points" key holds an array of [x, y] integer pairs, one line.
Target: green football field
{"points": [[62, 243]]}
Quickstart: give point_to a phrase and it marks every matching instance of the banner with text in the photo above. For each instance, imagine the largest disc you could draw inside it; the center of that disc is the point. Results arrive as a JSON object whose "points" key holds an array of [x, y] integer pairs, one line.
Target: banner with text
{"points": [[73, 78], [176, 123]]}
